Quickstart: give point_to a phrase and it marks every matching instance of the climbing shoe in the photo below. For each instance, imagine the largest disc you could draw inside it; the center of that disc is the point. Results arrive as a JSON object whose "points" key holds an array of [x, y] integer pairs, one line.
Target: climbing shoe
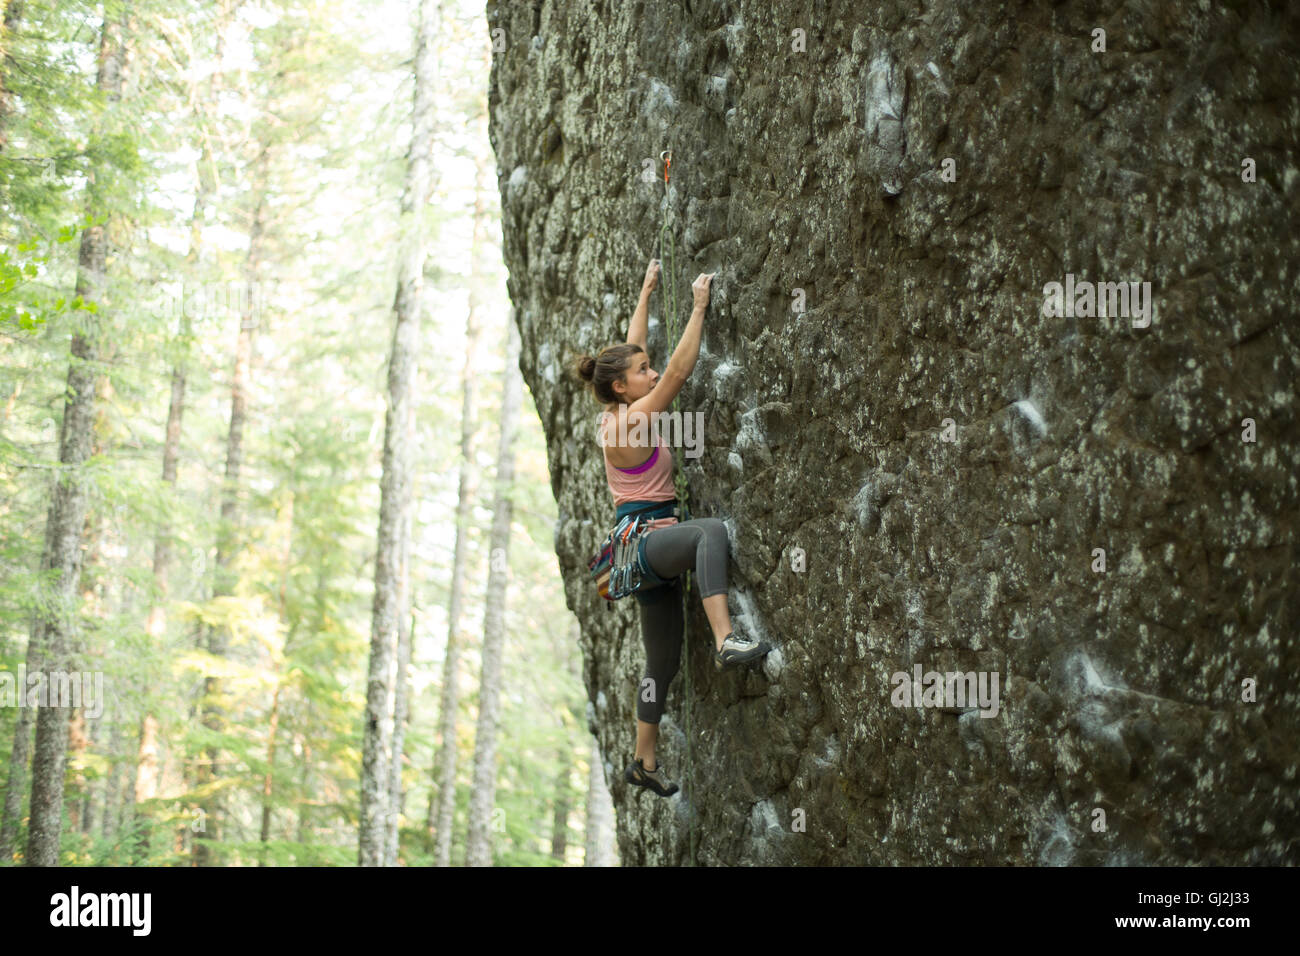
{"points": [[738, 648], [639, 776]]}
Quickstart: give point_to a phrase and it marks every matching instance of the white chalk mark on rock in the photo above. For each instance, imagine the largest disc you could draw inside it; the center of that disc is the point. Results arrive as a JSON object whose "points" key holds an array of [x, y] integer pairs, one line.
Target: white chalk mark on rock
{"points": [[934, 71], [883, 120], [1031, 413]]}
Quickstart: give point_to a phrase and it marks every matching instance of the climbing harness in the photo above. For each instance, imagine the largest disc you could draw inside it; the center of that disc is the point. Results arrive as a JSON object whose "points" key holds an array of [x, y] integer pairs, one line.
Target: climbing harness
{"points": [[620, 566]]}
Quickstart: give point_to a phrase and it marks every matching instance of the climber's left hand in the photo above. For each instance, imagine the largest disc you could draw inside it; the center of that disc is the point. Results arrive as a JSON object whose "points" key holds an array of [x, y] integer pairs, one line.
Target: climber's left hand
{"points": [[651, 276]]}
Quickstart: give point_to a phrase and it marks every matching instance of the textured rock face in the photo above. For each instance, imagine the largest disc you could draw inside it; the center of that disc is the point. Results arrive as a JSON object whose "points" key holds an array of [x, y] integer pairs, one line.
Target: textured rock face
{"points": [[892, 399]]}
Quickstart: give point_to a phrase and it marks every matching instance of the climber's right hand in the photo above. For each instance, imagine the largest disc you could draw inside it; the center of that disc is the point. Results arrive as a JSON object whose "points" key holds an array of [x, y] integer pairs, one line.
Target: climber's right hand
{"points": [[700, 289]]}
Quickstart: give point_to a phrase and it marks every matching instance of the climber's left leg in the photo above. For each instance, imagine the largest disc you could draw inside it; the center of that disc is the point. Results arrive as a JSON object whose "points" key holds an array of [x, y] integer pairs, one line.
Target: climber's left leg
{"points": [[661, 633], [646, 736]]}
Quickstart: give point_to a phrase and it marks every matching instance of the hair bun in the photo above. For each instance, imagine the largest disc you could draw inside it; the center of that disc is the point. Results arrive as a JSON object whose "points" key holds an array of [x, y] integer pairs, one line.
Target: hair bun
{"points": [[587, 367]]}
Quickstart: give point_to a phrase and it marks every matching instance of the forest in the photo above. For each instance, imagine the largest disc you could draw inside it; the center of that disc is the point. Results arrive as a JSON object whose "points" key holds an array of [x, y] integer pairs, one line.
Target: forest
{"points": [[276, 577]]}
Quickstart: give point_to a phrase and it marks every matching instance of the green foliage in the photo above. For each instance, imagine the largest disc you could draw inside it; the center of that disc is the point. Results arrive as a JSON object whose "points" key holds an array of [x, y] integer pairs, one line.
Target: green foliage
{"points": [[310, 135], [27, 303]]}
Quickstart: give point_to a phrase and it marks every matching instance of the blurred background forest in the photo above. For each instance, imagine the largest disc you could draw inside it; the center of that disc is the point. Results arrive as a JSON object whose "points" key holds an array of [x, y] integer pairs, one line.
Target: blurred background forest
{"points": [[255, 228]]}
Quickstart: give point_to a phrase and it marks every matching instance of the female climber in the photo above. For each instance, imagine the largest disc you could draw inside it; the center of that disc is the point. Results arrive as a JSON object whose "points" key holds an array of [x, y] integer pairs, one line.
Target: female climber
{"points": [[623, 381]]}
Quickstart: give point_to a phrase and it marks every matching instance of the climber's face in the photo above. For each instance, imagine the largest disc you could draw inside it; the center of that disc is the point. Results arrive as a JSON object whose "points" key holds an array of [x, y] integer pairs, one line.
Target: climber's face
{"points": [[641, 378]]}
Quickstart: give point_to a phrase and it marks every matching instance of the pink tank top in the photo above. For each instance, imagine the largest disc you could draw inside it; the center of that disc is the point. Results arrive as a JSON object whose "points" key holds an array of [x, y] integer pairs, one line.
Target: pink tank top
{"points": [[652, 480]]}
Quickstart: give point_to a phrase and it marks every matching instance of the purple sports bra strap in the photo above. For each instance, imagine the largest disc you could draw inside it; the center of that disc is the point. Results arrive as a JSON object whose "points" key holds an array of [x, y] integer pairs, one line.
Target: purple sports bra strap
{"points": [[644, 466]]}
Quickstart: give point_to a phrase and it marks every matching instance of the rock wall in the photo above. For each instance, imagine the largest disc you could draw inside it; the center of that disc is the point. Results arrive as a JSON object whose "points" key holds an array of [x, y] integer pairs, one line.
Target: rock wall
{"points": [[916, 444]]}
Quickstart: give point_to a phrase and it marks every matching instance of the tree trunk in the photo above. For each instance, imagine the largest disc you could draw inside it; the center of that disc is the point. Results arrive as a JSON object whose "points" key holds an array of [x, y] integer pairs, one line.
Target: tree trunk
{"points": [[268, 778], [77, 741], [478, 847], [560, 826], [112, 809], [304, 778], [86, 731], [54, 630], [13, 12], [401, 683], [450, 703], [227, 539], [273, 725], [442, 799], [146, 785], [390, 602], [18, 757], [94, 733], [401, 708]]}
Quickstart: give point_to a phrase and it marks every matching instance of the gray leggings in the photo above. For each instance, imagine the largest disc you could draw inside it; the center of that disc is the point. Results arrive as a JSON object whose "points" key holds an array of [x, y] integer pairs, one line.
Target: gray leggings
{"points": [[699, 544]]}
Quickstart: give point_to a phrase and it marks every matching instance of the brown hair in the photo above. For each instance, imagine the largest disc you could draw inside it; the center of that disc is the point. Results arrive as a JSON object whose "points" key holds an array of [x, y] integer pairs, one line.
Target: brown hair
{"points": [[605, 369]]}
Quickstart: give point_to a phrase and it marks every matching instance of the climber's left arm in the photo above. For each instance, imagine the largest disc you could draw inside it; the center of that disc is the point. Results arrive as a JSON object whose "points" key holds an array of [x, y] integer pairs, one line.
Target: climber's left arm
{"points": [[636, 332]]}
